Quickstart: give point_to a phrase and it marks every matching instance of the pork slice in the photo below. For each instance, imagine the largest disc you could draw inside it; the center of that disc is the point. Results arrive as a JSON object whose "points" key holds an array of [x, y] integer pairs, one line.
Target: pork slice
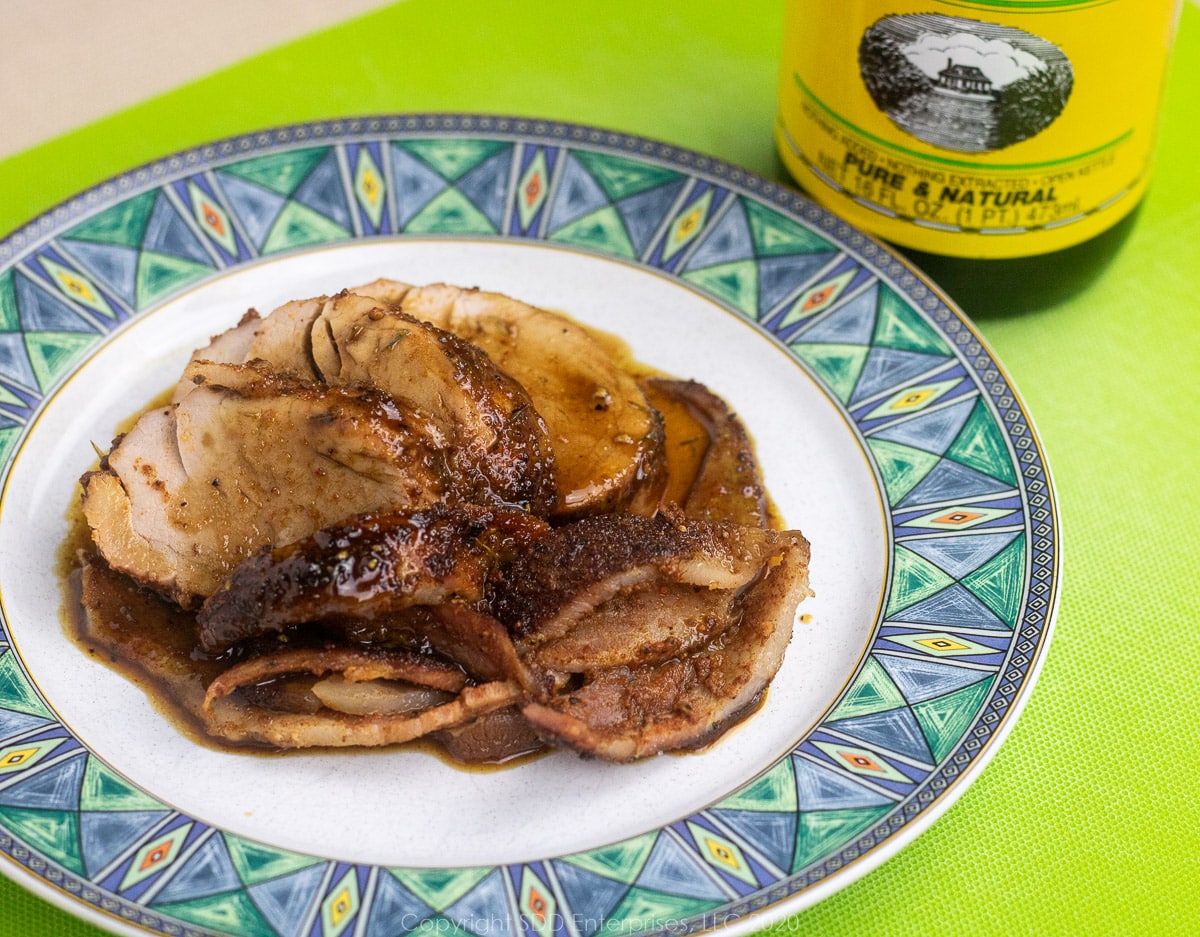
{"points": [[249, 458], [355, 664], [495, 737], [238, 721], [650, 634], [606, 438], [279, 340], [495, 434], [561, 582], [283, 338], [728, 485], [365, 568], [229, 347], [625, 712]]}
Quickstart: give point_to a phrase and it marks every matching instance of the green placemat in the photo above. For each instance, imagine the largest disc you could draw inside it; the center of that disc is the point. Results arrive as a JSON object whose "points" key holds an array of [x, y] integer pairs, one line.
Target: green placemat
{"points": [[1086, 822]]}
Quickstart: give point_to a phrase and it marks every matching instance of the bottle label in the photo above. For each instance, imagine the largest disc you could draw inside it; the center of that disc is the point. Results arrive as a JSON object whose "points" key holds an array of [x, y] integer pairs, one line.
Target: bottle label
{"points": [[974, 128]]}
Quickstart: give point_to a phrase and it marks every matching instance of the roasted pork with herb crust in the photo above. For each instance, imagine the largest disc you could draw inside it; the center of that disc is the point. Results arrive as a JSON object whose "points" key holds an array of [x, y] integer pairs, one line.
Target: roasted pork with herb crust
{"points": [[431, 511]]}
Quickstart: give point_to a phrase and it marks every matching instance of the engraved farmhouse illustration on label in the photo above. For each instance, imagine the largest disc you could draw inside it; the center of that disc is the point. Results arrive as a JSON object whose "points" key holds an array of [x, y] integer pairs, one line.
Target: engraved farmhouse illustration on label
{"points": [[961, 84]]}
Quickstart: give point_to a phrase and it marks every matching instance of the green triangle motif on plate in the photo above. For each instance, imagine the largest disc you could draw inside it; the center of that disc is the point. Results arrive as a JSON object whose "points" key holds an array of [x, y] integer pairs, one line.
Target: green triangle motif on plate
{"points": [[159, 275], [620, 177], [774, 791], [282, 173], [621, 861], [823, 831], [775, 235], [980, 445], [872, 691], [837, 366], [899, 326], [946, 719], [440, 888], [645, 910], [8, 397], [451, 212], [902, 467], [10, 316], [54, 833], [228, 913], [300, 226], [15, 691], [602, 230], [124, 224], [8, 438], [453, 158], [53, 353], [735, 282], [105, 790], [257, 863], [913, 579], [998, 582]]}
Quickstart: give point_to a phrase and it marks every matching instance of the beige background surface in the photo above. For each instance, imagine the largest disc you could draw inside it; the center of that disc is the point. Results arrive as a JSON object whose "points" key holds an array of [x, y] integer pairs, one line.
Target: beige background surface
{"points": [[65, 63]]}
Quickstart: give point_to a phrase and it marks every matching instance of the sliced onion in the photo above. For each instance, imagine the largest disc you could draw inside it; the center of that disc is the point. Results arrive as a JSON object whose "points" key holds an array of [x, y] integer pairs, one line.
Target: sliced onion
{"points": [[368, 697]]}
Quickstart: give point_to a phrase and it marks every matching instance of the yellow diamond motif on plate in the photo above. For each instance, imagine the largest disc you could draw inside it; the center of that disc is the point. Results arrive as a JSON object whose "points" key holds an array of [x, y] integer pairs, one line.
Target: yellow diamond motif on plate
{"points": [[722, 853], [155, 856], [941, 645], [861, 761], [339, 908], [532, 189], [687, 225], [369, 187], [212, 218], [75, 286], [537, 904], [24, 755], [914, 399]]}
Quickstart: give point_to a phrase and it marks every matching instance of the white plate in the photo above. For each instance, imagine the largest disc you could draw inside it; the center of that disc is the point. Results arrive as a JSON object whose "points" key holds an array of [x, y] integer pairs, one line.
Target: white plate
{"points": [[886, 431]]}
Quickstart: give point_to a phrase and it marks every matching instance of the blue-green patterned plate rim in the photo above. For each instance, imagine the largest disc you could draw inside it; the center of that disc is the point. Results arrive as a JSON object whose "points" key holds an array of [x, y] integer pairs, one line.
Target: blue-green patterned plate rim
{"points": [[973, 541]]}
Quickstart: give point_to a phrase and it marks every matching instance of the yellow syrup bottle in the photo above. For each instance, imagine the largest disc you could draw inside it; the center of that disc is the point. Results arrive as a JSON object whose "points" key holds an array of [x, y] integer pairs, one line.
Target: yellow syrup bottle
{"points": [[1002, 144]]}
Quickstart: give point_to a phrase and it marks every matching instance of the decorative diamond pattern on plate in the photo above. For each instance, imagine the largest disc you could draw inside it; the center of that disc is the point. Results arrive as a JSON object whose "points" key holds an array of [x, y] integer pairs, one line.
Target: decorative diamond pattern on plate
{"points": [[722, 853], [340, 906], [862, 761], [817, 298], [212, 219], [21, 757], [972, 539], [941, 644], [532, 189], [369, 187], [155, 856], [686, 226], [537, 904], [77, 287]]}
